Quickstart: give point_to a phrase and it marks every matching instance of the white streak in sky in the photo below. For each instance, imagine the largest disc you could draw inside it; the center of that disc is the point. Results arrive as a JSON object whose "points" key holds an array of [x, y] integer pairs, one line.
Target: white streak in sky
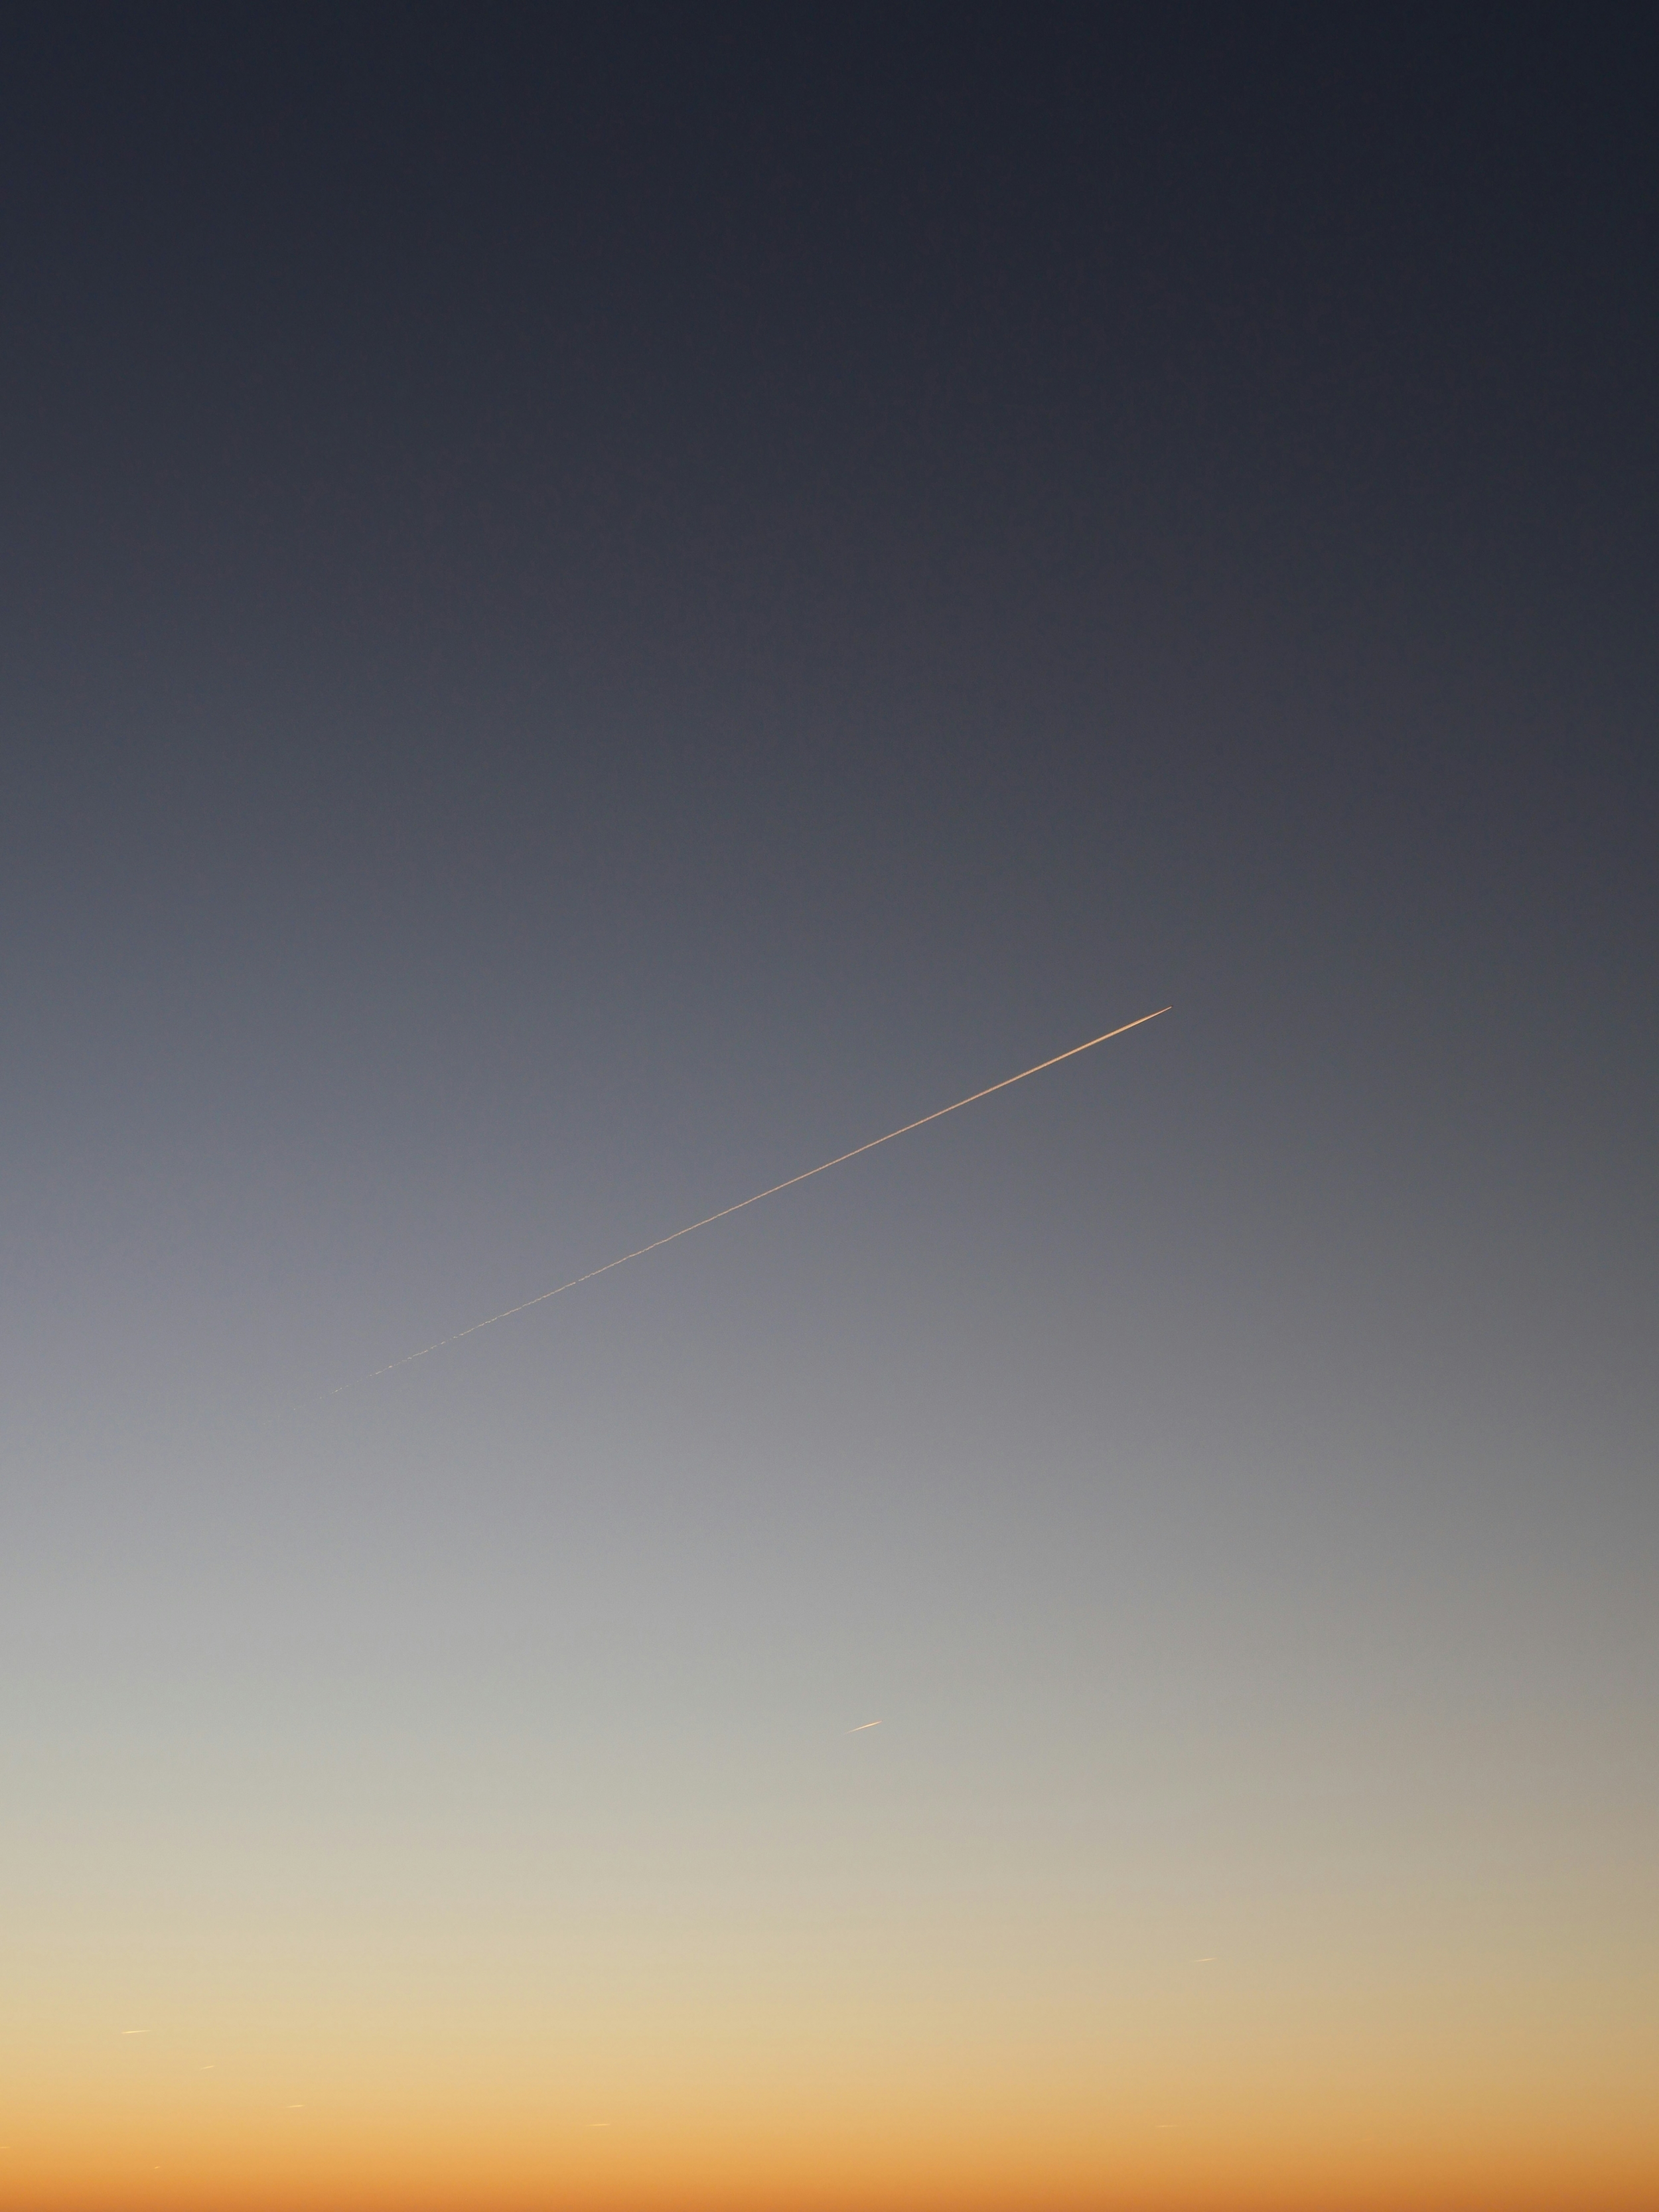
{"points": [[576, 1281]]}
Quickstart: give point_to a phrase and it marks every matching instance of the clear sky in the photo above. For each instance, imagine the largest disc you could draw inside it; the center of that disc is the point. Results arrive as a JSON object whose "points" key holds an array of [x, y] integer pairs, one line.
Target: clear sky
{"points": [[596, 607]]}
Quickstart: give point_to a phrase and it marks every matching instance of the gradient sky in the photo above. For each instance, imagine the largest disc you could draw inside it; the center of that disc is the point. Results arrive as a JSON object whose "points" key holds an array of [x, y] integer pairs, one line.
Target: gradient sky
{"points": [[597, 606]]}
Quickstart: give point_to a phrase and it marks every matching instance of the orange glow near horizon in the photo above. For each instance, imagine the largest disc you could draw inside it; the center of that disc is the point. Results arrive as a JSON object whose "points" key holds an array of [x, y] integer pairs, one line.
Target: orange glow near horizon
{"points": [[1193, 2100]]}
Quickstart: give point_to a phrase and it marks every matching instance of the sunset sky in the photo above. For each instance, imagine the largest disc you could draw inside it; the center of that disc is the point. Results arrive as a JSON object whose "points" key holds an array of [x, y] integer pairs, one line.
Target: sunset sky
{"points": [[597, 606]]}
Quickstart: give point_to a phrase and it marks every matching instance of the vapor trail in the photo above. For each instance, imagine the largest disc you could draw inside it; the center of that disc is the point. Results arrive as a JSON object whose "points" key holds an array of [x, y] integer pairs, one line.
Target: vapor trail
{"points": [[575, 1282]]}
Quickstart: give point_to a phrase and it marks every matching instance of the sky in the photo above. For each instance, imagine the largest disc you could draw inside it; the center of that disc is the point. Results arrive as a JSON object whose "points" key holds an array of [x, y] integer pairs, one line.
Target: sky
{"points": [[597, 606]]}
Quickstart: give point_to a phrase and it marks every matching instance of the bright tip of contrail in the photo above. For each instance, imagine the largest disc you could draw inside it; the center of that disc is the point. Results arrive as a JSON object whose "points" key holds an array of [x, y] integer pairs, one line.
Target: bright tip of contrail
{"points": [[861, 1726], [788, 1183]]}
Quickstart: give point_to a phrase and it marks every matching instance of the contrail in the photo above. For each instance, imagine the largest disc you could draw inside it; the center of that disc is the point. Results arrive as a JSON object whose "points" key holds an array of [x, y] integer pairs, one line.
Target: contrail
{"points": [[575, 1282]]}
